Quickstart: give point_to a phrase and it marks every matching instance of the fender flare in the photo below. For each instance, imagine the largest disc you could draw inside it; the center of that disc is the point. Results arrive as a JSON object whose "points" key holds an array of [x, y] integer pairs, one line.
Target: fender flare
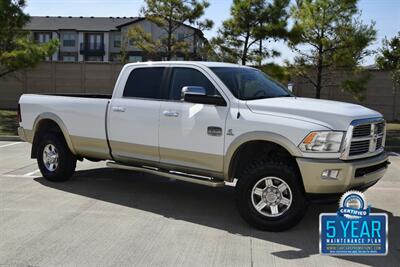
{"points": [[256, 136], [53, 117]]}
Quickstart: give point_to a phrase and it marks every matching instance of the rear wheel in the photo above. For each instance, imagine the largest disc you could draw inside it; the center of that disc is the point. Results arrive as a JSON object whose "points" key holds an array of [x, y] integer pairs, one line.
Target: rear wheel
{"points": [[55, 160], [270, 196]]}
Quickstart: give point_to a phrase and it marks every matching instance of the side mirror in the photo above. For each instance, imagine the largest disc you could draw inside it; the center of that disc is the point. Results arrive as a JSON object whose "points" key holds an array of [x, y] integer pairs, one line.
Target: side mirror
{"points": [[193, 90], [197, 94]]}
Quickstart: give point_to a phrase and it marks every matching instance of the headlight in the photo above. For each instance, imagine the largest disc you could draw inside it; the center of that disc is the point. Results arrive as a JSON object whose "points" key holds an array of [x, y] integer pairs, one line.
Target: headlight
{"points": [[322, 142]]}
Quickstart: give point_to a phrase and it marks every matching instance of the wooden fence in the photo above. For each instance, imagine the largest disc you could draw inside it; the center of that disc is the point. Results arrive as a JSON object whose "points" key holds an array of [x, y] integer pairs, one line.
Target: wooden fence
{"points": [[84, 77]]}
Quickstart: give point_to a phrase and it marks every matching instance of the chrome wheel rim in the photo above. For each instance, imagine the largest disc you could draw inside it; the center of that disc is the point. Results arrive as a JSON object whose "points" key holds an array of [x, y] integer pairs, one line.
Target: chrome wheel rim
{"points": [[50, 157], [271, 196]]}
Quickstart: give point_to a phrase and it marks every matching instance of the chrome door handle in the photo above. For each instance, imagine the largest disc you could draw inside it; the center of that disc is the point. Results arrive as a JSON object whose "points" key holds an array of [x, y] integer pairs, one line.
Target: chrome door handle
{"points": [[118, 109], [168, 113]]}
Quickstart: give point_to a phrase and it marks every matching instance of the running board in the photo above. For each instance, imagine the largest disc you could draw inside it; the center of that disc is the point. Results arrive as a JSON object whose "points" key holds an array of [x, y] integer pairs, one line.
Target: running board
{"points": [[196, 179]]}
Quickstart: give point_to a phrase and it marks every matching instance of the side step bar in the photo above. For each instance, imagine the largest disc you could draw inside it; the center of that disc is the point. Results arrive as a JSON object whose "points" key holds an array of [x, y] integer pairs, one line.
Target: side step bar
{"points": [[169, 174]]}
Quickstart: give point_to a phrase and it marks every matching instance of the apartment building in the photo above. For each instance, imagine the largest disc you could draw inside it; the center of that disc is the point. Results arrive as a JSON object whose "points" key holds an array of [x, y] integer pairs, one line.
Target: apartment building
{"points": [[103, 38]]}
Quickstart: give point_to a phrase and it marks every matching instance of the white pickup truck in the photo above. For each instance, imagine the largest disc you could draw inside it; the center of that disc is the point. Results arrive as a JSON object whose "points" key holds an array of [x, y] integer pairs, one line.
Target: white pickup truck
{"points": [[211, 123]]}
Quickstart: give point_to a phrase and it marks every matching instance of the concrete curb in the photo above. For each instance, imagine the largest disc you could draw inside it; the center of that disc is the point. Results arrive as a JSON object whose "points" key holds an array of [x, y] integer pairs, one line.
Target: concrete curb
{"points": [[10, 138]]}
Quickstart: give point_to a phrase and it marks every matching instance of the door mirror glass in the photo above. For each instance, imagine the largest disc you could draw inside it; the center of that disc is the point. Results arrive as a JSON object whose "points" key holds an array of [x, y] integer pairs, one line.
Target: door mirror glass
{"points": [[197, 94]]}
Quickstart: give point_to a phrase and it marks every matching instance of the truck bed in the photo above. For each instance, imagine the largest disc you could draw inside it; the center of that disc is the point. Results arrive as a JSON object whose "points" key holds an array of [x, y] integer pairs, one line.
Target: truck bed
{"points": [[83, 117]]}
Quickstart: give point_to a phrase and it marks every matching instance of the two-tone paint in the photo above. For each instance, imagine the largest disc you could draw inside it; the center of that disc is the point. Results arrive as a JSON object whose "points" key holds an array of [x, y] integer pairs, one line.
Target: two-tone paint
{"points": [[174, 134]]}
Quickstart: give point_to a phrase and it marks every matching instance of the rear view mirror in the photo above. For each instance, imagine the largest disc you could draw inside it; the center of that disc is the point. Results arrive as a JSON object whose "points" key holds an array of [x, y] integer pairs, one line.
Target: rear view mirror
{"points": [[197, 94]]}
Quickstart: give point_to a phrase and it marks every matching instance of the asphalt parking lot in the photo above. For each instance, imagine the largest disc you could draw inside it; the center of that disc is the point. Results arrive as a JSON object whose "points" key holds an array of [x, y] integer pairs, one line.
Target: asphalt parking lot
{"points": [[106, 217]]}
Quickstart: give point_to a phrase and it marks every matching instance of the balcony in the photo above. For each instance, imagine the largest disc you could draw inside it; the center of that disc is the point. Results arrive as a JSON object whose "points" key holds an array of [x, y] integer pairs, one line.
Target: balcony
{"points": [[92, 49]]}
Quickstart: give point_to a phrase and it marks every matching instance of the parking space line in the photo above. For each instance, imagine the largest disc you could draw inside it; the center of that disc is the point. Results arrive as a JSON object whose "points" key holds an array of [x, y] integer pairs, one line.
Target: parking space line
{"points": [[30, 173], [16, 143], [18, 176]]}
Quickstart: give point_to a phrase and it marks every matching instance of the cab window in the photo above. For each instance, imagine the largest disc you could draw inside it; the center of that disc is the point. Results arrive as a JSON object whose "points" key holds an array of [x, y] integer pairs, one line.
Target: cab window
{"points": [[145, 83], [182, 77]]}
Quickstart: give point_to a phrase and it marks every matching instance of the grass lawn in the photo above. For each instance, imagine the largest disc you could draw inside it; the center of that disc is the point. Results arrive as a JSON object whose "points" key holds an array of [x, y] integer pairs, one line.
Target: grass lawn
{"points": [[9, 124], [393, 135], [393, 127]]}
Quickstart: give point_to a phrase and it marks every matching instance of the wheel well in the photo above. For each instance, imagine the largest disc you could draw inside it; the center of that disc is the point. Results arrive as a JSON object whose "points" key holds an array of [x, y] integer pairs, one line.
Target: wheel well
{"points": [[44, 126], [258, 149]]}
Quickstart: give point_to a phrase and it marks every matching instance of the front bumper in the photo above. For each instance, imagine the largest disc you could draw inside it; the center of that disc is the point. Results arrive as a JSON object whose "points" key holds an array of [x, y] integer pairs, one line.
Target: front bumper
{"points": [[352, 174]]}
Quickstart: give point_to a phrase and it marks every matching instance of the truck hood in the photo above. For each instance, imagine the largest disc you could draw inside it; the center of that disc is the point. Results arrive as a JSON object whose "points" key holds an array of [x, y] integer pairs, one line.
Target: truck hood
{"points": [[331, 114]]}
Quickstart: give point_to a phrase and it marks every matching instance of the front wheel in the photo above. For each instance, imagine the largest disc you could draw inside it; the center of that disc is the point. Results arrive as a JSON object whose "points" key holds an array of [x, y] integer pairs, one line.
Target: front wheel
{"points": [[55, 160], [270, 196]]}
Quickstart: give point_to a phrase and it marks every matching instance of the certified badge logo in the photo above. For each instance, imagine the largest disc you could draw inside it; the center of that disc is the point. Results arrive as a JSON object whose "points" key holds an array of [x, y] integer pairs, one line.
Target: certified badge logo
{"points": [[353, 230], [353, 205]]}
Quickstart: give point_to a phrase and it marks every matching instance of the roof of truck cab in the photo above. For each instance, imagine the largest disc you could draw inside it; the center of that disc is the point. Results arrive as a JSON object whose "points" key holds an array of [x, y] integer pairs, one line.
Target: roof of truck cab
{"points": [[209, 64]]}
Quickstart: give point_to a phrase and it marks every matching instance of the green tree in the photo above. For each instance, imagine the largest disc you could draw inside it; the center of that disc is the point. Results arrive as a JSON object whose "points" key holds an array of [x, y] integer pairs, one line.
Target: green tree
{"points": [[329, 37], [277, 72], [252, 21], [389, 58], [17, 50], [170, 15]]}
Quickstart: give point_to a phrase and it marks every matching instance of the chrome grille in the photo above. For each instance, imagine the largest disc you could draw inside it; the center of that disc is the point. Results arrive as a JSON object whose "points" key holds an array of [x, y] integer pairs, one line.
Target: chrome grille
{"points": [[379, 142], [380, 127], [364, 138], [362, 130], [359, 147]]}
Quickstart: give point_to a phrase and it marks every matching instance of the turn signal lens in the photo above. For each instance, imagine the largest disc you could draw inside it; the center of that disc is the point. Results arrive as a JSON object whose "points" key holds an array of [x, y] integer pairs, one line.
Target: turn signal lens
{"points": [[309, 138]]}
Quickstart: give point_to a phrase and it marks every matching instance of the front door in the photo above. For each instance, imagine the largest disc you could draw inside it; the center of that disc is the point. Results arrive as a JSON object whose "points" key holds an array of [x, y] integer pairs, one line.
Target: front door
{"points": [[134, 116], [191, 135]]}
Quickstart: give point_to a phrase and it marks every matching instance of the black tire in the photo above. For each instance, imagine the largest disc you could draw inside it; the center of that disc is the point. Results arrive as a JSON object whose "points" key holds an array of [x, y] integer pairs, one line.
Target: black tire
{"points": [[255, 172], [66, 162]]}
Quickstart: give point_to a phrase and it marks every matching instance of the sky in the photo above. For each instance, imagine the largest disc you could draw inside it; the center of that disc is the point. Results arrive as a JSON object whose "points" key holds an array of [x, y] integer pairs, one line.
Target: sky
{"points": [[385, 13]]}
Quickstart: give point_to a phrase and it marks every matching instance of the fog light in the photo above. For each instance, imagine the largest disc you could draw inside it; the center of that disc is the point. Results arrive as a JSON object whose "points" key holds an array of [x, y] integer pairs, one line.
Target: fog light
{"points": [[330, 174]]}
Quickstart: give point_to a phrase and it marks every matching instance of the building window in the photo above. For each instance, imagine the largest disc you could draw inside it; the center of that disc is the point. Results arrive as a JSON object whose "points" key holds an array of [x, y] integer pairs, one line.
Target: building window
{"points": [[42, 37], [135, 59], [94, 41], [181, 36], [69, 58], [69, 40], [117, 41]]}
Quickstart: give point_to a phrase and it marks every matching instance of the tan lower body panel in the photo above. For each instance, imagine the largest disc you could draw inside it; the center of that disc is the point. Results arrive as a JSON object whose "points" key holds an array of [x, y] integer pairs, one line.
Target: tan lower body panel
{"points": [[311, 170], [123, 150], [90, 147], [199, 160], [173, 159]]}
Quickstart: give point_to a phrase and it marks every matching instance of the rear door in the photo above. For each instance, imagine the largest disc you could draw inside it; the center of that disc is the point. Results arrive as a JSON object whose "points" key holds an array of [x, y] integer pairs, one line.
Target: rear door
{"points": [[192, 135], [133, 121]]}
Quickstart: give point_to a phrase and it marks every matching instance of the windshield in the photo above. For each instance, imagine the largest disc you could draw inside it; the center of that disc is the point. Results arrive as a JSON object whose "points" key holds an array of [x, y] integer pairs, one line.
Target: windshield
{"points": [[250, 84]]}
